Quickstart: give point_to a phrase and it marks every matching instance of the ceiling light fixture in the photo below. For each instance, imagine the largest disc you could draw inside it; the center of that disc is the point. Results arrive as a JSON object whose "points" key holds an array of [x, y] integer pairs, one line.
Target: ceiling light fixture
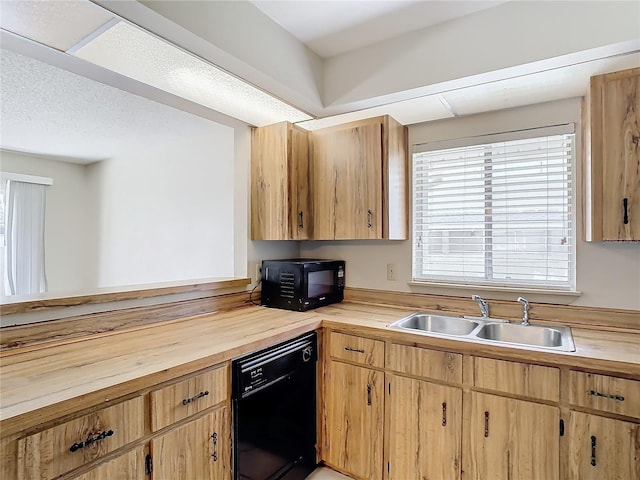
{"points": [[137, 54], [91, 33]]}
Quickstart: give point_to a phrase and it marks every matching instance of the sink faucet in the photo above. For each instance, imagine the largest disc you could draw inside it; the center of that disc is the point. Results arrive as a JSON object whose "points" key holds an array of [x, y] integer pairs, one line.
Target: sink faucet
{"points": [[525, 310], [482, 304]]}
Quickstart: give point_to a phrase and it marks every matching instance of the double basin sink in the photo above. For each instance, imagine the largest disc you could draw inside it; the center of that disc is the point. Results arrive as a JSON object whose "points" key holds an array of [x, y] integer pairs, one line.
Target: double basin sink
{"points": [[488, 330]]}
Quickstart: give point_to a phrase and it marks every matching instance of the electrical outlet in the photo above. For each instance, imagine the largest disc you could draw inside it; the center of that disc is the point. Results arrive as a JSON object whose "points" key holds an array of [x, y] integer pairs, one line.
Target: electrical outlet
{"points": [[258, 271], [391, 271]]}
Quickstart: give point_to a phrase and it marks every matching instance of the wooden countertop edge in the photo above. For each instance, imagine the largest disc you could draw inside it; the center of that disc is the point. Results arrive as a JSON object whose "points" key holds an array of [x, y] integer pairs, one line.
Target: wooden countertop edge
{"points": [[134, 292], [356, 322], [574, 359], [16, 424]]}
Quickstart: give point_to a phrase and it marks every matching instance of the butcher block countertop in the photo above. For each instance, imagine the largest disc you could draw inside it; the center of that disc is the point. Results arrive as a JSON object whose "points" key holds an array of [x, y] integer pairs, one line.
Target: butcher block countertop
{"points": [[41, 384]]}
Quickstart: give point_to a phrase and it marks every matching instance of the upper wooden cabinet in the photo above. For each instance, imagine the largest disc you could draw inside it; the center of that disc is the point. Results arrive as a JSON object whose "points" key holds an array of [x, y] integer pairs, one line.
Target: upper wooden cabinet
{"points": [[359, 180], [612, 150], [280, 197], [337, 183]]}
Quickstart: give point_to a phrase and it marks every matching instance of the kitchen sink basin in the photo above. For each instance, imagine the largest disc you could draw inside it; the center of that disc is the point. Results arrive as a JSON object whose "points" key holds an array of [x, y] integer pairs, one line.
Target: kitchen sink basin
{"points": [[437, 324], [488, 330], [530, 335]]}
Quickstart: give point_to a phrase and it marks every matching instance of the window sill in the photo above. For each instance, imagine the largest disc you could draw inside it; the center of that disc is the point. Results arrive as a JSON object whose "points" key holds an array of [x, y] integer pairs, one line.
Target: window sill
{"points": [[497, 289]]}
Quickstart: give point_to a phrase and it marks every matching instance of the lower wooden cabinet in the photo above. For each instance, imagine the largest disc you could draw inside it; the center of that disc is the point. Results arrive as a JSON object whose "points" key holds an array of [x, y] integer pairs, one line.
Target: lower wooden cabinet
{"points": [[128, 466], [425, 430], [513, 439], [354, 406], [77, 442], [200, 449], [603, 448]]}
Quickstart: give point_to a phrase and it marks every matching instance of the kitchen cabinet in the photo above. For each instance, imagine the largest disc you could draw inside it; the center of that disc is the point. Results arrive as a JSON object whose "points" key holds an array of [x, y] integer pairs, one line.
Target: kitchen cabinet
{"points": [[603, 448], [513, 439], [280, 196], [57, 450], [199, 449], [612, 149], [354, 403], [425, 430], [130, 465], [359, 173]]}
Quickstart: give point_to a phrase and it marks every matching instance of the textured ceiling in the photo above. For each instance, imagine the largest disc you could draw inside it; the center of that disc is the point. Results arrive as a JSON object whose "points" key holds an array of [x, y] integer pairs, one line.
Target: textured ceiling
{"points": [[49, 111]]}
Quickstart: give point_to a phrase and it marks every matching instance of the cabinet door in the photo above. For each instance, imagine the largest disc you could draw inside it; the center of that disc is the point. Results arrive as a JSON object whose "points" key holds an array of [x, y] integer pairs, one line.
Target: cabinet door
{"points": [[425, 430], [615, 155], [201, 450], [129, 466], [301, 215], [603, 448], [513, 439], [347, 182], [279, 183], [353, 420]]}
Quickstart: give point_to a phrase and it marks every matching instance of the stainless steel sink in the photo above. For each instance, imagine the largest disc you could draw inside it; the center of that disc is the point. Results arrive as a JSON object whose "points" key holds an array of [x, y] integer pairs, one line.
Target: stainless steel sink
{"points": [[529, 335], [441, 324], [488, 330]]}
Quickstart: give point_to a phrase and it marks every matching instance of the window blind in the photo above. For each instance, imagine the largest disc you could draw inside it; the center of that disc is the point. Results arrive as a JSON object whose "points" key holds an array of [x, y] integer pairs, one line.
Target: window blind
{"points": [[496, 213]]}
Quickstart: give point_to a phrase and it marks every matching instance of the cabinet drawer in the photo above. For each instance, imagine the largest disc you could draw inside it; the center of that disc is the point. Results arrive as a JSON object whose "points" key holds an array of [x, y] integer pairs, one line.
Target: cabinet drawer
{"points": [[602, 392], [187, 397], [62, 448], [426, 363], [357, 349], [533, 381]]}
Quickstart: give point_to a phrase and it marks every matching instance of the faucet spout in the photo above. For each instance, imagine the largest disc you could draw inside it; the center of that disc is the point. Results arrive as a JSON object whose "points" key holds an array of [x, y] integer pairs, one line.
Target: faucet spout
{"points": [[482, 304], [525, 310]]}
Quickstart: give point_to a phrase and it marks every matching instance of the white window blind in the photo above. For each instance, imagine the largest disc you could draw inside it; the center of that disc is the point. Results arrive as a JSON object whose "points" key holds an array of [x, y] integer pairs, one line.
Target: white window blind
{"points": [[496, 213]]}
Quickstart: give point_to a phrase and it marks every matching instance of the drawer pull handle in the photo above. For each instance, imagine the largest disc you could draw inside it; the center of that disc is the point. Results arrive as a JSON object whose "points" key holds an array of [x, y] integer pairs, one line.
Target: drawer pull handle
{"points": [[486, 424], [187, 401], [444, 414], [214, 441], [369, 394], [625, 213], [351, 349], [593, 451], [593, 393], [90, 439], [300, 217], [369, 214]]}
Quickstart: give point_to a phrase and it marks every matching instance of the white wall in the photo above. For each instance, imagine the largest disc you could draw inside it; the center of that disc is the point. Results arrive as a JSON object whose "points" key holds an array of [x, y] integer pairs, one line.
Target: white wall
{"points": [[67, 250], [164, 211], [608, 274]]}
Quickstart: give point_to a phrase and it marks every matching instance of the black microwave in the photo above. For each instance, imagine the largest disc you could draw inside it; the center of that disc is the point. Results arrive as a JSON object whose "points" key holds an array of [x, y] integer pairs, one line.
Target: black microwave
{"points": [[301, 284]]}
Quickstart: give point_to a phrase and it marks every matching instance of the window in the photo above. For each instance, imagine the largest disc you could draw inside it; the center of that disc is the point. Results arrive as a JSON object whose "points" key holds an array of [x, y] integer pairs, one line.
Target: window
{"points": [[496, 213]]}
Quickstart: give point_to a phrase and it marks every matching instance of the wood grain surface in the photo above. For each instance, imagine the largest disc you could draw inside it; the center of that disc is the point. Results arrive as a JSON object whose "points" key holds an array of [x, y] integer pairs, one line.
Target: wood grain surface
{"points": [[32, 303]]}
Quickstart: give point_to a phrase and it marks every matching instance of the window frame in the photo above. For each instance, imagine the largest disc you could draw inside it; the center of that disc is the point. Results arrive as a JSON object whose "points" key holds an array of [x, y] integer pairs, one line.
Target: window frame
{"points": [[483, 283]]}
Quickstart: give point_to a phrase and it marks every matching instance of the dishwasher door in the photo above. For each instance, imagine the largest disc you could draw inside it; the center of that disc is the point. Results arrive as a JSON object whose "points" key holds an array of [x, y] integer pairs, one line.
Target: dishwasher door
{"points": [[274, 412]]}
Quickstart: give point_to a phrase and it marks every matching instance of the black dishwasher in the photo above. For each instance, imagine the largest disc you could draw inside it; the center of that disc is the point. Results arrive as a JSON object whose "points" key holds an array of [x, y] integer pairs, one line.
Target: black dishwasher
{"points": [[274, 411]]}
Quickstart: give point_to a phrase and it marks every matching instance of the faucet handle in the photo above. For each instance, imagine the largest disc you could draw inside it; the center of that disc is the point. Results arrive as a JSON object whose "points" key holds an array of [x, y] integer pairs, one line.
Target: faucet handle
{"points": [[482, 304]]}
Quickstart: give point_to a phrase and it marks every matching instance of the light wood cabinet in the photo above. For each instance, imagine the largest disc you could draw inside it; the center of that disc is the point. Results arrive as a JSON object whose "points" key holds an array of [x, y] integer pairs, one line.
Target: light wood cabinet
{"points": [[612, 170], [512, 439], [351, 348], [425, 430], [128, 466], [188, 397], [65, 447], [605, 393], [354, 406], [280, 196], [603, 448], [200, 449], [359, 175]]}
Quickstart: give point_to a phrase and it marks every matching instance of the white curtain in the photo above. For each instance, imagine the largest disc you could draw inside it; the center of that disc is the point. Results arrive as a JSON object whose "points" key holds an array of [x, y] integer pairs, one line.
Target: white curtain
{"points": [[25, 238]]}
